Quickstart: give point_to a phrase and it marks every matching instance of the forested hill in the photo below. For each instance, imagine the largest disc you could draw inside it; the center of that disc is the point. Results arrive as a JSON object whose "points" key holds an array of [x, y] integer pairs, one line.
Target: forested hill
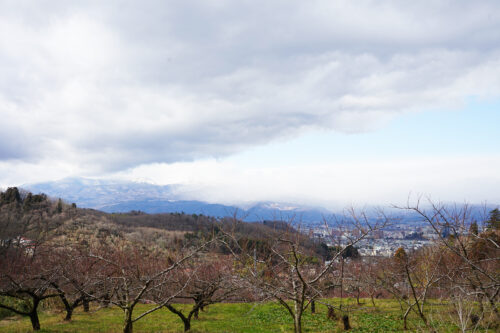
{"points": [[40, 218]]}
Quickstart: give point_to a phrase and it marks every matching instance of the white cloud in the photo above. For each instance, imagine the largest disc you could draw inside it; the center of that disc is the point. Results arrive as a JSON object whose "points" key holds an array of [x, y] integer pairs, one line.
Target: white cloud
{"points": [[334, 185], [105, 86]]}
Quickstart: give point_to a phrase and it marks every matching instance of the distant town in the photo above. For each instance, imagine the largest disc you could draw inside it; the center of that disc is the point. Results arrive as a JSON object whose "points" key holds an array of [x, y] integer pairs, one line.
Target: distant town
{"points": [[384, 242]]}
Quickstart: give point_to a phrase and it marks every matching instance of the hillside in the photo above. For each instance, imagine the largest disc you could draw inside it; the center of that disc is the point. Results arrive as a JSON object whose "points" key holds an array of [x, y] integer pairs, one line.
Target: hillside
{"points": [[25, 214], [55, 257]]}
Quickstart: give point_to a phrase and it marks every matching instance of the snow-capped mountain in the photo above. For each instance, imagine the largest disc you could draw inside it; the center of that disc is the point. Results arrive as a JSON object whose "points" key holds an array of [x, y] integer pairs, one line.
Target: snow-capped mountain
{"points": [[99, 193], [124, 196]]}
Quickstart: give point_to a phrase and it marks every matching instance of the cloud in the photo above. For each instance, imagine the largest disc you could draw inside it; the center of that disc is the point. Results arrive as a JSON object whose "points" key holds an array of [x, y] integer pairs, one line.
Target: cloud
{"points": [[377, 181], [109, 86]]}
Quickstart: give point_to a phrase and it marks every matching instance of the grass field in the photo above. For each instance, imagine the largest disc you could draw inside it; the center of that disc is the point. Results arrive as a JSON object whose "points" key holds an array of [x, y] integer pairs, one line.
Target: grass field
{"points": [[240, 317]]}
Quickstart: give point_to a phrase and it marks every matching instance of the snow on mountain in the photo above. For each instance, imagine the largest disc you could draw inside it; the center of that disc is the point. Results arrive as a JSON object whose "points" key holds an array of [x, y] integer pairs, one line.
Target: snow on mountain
{"points": [[124, 196], [99, 193]]}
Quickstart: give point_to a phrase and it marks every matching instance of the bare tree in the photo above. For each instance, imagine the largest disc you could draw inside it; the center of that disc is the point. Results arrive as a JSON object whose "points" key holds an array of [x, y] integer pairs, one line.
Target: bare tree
{"points": [[203, 284], [368, 278], [26, 271], [74, 279], [476, 254], [291, 273], [354, 273], [126, 275], [26, 278], [346, 232]]}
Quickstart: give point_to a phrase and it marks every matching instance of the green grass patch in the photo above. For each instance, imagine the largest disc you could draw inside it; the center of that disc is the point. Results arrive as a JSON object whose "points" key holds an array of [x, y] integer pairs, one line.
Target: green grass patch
{"points": [[240, 318]]}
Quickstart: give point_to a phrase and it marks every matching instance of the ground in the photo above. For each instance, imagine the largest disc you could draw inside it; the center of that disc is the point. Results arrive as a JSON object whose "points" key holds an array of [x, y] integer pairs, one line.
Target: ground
{"points": [[242, 318]]}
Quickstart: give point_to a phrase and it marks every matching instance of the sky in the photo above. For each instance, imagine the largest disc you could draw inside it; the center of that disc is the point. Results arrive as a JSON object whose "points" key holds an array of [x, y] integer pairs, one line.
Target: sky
{"points": [[319, 102]]}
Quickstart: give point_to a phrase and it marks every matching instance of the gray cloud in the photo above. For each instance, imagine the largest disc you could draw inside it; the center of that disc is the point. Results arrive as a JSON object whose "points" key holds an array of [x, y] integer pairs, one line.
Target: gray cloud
{"points": [[111, 85]]}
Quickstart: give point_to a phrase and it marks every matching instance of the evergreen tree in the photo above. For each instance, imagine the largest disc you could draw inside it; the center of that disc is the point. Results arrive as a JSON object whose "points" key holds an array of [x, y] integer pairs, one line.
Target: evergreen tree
{"points": [[9, 196], [350, 252], [493, 222], [400, 255], [59, 207], [474, 230]]}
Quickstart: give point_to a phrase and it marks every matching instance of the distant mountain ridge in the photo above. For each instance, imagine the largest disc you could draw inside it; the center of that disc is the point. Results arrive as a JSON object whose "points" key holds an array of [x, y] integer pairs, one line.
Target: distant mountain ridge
{"points": [[122, 196], [115, 196], [98, 193]]}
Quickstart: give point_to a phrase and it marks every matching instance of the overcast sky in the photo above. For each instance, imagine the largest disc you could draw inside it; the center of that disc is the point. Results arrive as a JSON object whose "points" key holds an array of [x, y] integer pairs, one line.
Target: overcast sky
{"points": [[323, 102]]}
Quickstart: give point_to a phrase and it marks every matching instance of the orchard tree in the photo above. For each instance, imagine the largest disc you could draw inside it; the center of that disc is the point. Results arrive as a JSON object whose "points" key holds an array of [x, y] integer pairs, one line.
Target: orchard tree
{"points": [[476, 256], [127, 274], [27, 274], [291, 271], [74, 281], [25, 281], [203, 284]]}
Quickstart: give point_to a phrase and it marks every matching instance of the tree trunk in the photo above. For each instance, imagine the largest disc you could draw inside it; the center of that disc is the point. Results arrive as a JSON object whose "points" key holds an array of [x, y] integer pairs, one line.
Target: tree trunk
{"points": [[105, 300], [185, 320], [345, 321], [341, 281], [331, 314], [86, 306], [67, 307], [196, 312], [69, 314], [313, 307], [373, 301], [35, 322], [297, 315], [405, 317], [297, 323], [128, 328], [417, 303], [128, 325], [187, 324]]}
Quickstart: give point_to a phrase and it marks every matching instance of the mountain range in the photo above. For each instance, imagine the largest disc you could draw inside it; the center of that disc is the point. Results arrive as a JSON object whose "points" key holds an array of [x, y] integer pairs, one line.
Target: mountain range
{"points": [[114, 196], [117, 196]]}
